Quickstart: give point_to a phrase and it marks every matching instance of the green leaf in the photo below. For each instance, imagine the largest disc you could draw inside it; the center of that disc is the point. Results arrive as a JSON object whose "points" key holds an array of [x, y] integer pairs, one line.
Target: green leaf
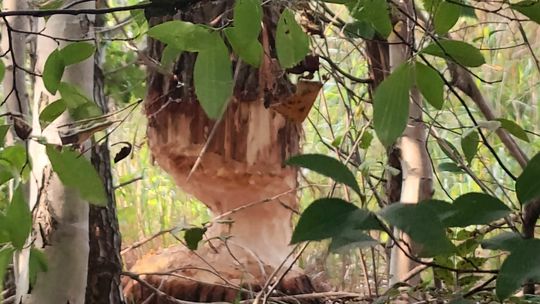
{"points": [[213, 79], [476, 209], [430, 84], [528, 183], [193, 236], [292, 44], [247, 19], [2, 70], [326, 166], [359, 29], [12, 161], [72, 96], [443, 209], [18, 219], [375, 12], [446, 17], [513, 128], [169, 56], [506, 241], [351, 239], [248, 50], [76, 172], [76, 52], [529, 8], [469, 145], [422, 224], [183, 35], [37, 264], [51, 112], [53, 71], [322, 219], [520, 266], [6, 257], [450, 167], [458, 51], [3, 132], [391, 105], [85, 111]]}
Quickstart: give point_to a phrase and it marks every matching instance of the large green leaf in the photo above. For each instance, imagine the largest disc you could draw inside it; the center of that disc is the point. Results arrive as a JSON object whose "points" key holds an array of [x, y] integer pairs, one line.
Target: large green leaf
{"points": [[458, 51], [247, 19], [183, 35], [529, 8], [248, 50], [324, 218], [76, 52], [51, 112], [375, 12], [422, 224], [469, 145], [72, 96], [18, 219], [506, 241], [520, 266], [76, 172], [292, 44], [446, 16], [12, 161], [326, 166], [53, 71], [513, 128], [391, 105], [528, 183], [430, 84], [213, 78], [476, 209], [351, 239]]}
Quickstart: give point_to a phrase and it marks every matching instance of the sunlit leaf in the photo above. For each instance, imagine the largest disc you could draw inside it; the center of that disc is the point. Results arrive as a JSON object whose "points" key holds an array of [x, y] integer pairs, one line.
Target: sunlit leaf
{"points": [[292, 44], [76, 172], [391, 105], [326, 166], [528, 183], [12, 161], [247, 19], [458, 51], [213, 79], [72, 96], [248, 50]]}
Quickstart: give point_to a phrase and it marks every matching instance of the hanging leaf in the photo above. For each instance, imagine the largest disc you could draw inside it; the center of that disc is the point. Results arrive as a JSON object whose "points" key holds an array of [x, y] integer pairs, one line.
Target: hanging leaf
{"points": [[247, 19], [529, 8], [72, 96], [450, 167], [292, 44], [446, 17], [51, 112], [458, 51], [520, 266], [422, 224], [169, 56], [506, 241], [513, 128], [391, 105], [53, 71], [193, 236], [18, 219], [528, 183], [351, 239], [375, 12], [250, 51], [213, 79], [12, 161], [37, 264], [430, 84], [469, 145], [476, 209], [326, 166], [76, 52], [76, 172], [184, 35], [322, 219]]}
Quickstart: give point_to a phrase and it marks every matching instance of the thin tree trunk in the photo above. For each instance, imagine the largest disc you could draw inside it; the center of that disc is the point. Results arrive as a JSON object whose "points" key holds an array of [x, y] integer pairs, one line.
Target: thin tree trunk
{"points": [[61, 216]]}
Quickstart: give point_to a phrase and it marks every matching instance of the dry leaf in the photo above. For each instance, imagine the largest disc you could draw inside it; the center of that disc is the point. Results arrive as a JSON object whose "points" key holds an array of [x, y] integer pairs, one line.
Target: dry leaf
{"points": [[297, 106]]}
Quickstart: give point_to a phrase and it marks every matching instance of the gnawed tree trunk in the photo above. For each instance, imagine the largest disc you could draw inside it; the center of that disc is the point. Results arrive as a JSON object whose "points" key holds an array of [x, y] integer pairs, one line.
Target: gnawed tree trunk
{"points": [[60, 215], [243, 164]]}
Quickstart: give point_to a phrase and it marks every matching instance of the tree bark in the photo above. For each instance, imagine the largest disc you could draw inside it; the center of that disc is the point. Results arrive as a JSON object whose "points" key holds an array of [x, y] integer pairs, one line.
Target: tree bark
{"points": [[60, 216], [243, 164]]}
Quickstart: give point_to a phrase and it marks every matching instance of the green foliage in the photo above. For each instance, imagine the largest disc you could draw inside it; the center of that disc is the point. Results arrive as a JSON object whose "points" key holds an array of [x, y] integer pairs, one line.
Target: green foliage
{"points": [[193, 236], [76, 52], [391, 105], [375, 12], [520, 266], [458, 51], [76, 172], [292, 44], [513, 128], [12, 162], [475, 209], [183, 35], [469, 145], [2, 70], [213, 78], [327, 166], [430, 84], [51, 112], [37, 264], [528, 183], [506, 241], [18, 219], [446, 16], [529, 8]]}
